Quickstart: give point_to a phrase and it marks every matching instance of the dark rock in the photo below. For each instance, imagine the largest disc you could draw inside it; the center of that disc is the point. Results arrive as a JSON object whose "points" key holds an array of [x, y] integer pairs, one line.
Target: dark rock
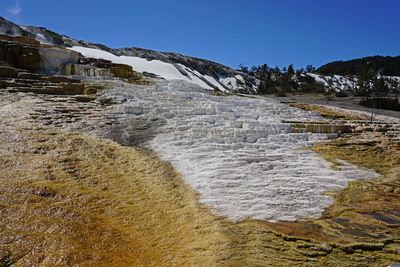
{"points": [[73, 88], [58, 79], [30, 76], [8, 72], [21, 55], [84, 99], [20, 39], [150, 75], [9, 28]]}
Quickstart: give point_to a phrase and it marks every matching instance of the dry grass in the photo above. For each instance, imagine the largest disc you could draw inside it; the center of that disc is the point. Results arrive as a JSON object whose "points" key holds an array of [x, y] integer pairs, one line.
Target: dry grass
{"points": [[362, 154], [366, 195], [329, 114]]}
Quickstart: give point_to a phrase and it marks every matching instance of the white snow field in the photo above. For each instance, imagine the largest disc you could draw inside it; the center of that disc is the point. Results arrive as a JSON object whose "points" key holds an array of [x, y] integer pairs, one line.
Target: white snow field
{"points": [[162, 69], [235, 151]]}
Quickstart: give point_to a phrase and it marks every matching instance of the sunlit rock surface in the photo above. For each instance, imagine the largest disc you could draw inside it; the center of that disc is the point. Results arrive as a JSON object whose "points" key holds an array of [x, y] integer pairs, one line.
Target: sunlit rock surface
{"points": [[235, 151], [54, 57]]}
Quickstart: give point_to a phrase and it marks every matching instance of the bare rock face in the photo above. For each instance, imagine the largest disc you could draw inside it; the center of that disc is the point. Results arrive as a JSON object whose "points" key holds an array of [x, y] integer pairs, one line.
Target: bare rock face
{"points": [[54, 57], [26, 53], [23, 58], [24, 61], [84, 70], [25, 65], [122, 71], [7, 71], [20, 54], [20, 39], [117, 70], [9, 28]]}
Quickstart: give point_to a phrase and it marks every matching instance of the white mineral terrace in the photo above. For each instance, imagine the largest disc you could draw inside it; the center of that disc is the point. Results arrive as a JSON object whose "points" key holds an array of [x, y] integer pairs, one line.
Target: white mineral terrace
{"points": [[235, 151]]}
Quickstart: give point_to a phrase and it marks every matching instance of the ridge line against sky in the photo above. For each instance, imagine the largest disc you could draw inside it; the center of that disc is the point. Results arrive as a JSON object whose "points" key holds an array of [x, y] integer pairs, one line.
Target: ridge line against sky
{"points": [[231, 32]]}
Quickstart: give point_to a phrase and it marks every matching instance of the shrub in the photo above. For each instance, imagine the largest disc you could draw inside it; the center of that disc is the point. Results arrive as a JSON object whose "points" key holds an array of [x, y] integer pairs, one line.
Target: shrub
{"points": [[381, 103], [341, 94], [280, 94]]}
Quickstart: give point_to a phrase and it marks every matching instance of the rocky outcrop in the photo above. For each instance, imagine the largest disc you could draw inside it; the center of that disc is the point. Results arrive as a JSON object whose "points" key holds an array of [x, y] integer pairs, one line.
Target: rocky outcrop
{"points": [[20, 39], [117, 70], [17, 80], [25, 65], [123, 71], [9, 28], [7, 71], [22, 55], [26, 53], [54, 57], [84, 70]]}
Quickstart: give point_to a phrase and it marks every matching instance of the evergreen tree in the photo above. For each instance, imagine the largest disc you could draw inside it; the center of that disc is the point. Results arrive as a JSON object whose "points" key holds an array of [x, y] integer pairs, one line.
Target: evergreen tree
{"points": [[310, 68], [366, 78], [243, 68], [290, 69], [264, 68], [379, 87]]}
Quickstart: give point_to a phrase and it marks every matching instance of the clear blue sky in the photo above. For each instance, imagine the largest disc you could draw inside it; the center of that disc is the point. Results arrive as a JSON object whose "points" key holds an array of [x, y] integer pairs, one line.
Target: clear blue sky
{"points": [[252, 32]]}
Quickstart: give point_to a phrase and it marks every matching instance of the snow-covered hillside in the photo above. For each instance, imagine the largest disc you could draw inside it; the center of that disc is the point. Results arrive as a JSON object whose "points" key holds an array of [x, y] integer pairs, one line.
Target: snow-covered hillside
{"points": [[348, 83], [174, 66], [166, 71], [335, 82], [166, 65]]}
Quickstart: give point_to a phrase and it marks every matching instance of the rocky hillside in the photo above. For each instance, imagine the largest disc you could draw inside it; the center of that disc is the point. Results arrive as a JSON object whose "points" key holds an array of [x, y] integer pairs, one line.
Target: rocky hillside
{"points": [[350, 84], [166, 65], [336, 77], [371, 84], [9, 28]]}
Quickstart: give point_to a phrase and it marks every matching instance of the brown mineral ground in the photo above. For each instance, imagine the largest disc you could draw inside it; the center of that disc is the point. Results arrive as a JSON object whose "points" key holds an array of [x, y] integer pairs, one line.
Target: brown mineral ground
{"points": [[69, 198], [327, 113], [73, 198]]}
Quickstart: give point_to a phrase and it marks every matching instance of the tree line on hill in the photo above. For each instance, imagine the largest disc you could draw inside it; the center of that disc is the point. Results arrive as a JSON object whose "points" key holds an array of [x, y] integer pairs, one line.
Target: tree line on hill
{"points": [[377, 91], [385, 66], [274, 80]]}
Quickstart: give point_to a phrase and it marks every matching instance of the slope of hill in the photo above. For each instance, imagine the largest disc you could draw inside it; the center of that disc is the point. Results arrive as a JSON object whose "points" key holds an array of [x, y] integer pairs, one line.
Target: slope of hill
{"points": [[335, 76], [165, 65], [386, 66], [9, 28]]}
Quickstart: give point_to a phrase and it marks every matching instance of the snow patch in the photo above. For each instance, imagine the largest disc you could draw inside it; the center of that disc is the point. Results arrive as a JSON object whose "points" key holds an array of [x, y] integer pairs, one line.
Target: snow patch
{"points": [[215, 83], [335, 82], [164, 70], [232, 82]]}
